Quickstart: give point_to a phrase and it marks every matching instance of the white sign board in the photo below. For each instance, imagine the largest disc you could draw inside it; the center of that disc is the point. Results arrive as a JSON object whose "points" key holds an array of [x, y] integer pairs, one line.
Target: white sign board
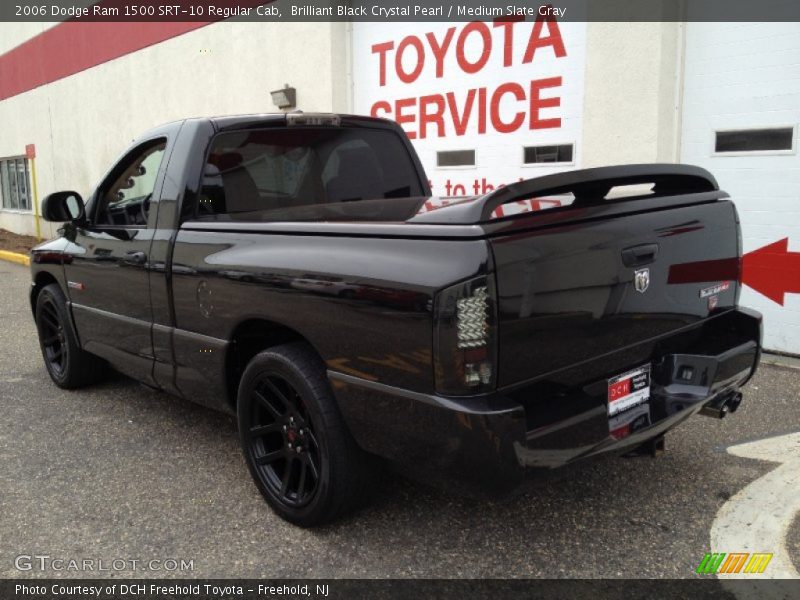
{"points": [[493, 88]]}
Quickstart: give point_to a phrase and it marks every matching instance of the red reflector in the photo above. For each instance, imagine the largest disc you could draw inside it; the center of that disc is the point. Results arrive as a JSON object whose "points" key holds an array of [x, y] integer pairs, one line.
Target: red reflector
{"points": [[473, 355], [621, 432], [705, 270]]}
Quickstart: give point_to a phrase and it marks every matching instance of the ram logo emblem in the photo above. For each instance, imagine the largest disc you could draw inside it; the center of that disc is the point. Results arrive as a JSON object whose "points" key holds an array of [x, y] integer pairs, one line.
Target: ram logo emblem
{"points": [[641, 280]]}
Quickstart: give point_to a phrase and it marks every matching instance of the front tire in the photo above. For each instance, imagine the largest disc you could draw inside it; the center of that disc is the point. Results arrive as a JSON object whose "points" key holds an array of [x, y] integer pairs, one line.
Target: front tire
{"points": [[68, 365], [297, 447]]}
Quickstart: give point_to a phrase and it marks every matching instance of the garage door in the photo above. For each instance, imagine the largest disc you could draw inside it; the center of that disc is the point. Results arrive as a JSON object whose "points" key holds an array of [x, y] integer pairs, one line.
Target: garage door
{"points": [[484, 103], [741, 109]]}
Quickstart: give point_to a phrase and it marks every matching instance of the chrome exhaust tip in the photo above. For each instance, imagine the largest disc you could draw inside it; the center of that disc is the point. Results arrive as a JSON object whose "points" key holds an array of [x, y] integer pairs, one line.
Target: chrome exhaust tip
{"points": [[734, 402], [719, 407]]}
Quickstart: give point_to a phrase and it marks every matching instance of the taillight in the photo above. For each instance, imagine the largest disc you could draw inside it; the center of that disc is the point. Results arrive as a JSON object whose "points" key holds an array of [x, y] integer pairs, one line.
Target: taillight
{"points": [[465, 338]]}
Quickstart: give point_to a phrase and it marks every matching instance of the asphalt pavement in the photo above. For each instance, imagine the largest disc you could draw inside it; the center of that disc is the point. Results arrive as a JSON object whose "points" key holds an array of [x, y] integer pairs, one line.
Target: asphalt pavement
{"points": [[117, 471]]}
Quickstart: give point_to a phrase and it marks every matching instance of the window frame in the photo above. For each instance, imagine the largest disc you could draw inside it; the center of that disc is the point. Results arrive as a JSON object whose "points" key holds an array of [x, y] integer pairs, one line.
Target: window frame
{"points": [[539, 165], [28, 187], [116, 170], [789, 152]]}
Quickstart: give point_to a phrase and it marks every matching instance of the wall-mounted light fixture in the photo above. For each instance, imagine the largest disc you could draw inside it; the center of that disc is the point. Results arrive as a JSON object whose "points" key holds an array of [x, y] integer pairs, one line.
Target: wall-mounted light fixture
{"points": [[285, 98]]}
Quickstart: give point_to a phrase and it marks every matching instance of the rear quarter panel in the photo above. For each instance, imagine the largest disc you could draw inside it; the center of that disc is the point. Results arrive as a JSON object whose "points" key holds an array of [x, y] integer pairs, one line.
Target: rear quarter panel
{"points": [[363, 303]]}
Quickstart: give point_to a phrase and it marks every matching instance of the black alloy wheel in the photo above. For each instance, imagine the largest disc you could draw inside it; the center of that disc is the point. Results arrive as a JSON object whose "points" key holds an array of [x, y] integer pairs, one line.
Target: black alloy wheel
{"points": [[68, 365], [53, 338], [282, 441], [298, 449]]}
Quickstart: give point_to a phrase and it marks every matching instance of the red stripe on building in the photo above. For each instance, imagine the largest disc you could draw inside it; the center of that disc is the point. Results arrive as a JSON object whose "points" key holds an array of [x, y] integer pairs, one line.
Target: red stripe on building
{"points": [[74, 46]]}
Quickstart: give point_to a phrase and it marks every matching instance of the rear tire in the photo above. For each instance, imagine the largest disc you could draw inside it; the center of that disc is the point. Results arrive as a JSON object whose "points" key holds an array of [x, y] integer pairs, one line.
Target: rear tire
{"points": [[296, 444], [68, 365]]}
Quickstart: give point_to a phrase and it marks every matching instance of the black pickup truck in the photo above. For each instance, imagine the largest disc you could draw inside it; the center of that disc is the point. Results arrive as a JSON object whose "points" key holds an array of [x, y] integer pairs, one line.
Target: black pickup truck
{"points": [[294, 269]]}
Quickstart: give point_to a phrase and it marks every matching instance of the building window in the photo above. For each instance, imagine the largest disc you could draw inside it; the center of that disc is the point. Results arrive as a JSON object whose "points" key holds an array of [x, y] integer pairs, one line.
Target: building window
{"points": [[14, 184], [561, 153], [455, 158], [755, 140]]}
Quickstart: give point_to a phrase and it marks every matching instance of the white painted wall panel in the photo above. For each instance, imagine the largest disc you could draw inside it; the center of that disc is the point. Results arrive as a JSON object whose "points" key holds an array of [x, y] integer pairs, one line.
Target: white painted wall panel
{"points": [[499, 156], [747, 75], [81, 123]]}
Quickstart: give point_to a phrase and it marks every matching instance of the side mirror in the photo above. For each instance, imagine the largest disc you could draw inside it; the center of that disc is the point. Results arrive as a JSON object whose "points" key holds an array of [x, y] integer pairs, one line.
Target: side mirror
{"points": [[63, 206]]}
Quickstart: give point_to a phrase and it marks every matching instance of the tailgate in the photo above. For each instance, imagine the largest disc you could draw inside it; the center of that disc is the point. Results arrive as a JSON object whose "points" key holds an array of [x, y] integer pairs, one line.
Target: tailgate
{"points": [[575, 289]]}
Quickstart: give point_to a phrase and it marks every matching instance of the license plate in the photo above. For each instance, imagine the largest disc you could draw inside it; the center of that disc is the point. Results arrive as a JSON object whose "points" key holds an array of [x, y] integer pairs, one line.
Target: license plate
{"points": [[628, 390]]}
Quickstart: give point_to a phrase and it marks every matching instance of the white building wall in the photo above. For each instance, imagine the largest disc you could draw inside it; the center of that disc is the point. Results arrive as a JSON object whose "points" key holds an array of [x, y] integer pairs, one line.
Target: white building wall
{"points": [[747, 76], [18, 33], [632, 93], [81, 123]]}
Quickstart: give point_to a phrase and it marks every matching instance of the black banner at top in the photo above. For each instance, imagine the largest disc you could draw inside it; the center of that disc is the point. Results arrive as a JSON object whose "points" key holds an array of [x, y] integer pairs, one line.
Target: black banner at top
{"points": [[399, 10]]}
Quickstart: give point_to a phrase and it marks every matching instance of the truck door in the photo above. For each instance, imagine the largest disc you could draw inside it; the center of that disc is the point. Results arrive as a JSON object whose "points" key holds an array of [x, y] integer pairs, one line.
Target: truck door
{"points": [[108, 275]]}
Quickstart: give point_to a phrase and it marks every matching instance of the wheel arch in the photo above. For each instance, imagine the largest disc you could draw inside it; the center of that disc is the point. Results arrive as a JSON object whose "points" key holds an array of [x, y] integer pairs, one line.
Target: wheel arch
{"points": [[40, 281], [250, 337]]}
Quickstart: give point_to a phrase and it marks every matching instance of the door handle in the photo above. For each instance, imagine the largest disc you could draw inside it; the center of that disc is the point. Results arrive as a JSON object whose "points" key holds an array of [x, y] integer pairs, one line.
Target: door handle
{"points": [[636, 256], [135, 257]]}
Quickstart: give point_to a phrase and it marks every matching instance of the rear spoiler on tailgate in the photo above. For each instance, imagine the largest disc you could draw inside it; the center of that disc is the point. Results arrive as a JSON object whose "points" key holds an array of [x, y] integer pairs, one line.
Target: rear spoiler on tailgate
{"points": [[590, 187]]}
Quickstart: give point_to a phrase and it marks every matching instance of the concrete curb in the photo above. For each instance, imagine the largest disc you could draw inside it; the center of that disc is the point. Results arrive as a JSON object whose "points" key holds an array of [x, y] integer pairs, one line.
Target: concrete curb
{"points": [[781, 360], [15, 257]]}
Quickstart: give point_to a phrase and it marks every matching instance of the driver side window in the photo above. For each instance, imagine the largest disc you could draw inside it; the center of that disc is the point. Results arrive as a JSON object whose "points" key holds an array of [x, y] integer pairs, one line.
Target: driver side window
{"points": [[125, 200]]}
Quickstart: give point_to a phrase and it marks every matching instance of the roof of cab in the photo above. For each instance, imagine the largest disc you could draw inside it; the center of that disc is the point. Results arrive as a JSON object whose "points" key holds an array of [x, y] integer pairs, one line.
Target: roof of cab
{"points": [[223, 123]]}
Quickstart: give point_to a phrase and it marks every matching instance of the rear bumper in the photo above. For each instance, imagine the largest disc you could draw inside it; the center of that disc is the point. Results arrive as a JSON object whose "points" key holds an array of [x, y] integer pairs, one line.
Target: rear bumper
{"points": [[494, 439]]}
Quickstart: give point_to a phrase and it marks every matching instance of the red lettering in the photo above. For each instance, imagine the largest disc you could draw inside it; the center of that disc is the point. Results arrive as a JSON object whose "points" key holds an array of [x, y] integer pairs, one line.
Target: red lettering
{"points": [[380, 105], [538, 103], [507, 23], [553, 38], [619, 389], [519, 118], [545, 32], [436, 118], [481, 110], [407, 41], [460, 121], [381, 50], [459, 190], [482, 187], [439, 50], [486, 35], [431, 115], [402, 118]]}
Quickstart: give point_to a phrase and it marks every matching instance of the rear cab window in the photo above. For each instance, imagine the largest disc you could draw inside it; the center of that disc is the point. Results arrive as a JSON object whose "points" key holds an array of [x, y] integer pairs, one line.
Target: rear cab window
{"points": [[309, 174]]}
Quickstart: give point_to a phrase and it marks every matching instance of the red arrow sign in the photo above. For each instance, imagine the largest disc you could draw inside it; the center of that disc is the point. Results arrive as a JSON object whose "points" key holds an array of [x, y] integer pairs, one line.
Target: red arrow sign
{"points": [[773, 270]]}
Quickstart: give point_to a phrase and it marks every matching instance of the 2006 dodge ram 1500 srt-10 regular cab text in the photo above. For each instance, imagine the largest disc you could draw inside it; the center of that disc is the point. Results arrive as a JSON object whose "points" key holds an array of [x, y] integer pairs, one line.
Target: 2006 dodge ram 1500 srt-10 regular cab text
{"points": [[294, 270]]}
